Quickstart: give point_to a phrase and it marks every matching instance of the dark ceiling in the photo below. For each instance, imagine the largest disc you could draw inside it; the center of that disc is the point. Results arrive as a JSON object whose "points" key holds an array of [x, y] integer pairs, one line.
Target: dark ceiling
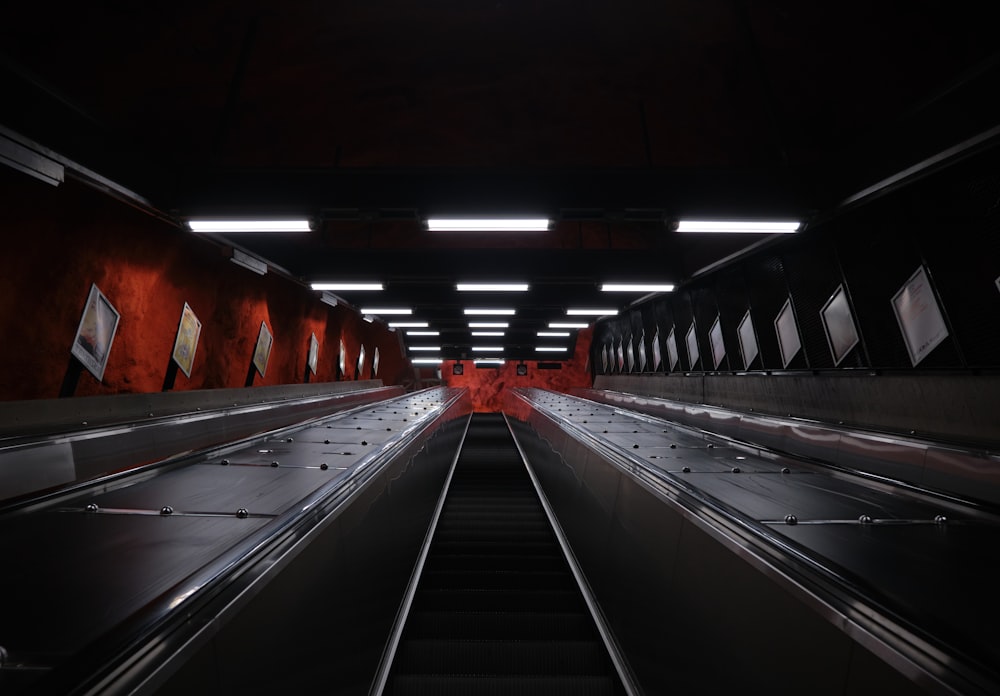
{"points": [[613, 118]]}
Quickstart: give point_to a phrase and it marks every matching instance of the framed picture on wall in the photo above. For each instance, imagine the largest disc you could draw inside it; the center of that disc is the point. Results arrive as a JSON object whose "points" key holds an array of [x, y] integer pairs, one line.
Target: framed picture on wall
{"points": [[96, 333], [748, 340], [186, 343], [262, 352], [375, 363], [342, 359], [692, 346], [919, 316], [313, 358], [359, 370], [672, 356], [838, 323], [657, 357], [787, 331], [718, 345]]}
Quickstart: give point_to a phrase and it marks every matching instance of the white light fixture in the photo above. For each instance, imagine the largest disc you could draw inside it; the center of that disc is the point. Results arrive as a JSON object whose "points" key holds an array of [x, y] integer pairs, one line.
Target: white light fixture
{"points": [[591, 311], [251, 263], [487, 225], [564, 325], [485, 311], [238, 226], [551, 349], [426, 348], [488, 325], [738, 226], [347, 286], [637, 287], [553, 334], [382, 311], [423, 333], [489, 361], [408, 325], [492, 287], [426, 361], [487, 349], [487, 333]]}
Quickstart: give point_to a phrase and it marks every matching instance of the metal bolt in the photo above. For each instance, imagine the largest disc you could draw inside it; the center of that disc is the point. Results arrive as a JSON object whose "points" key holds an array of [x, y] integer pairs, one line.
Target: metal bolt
{"points": [[274, 463], [786, 470], [635, 446], [686, 469], [865, 519], [326, 442], [791, 519], [940, 519], [289, 439], [225, 462], [673, 446], [242, 513], [711, 446], [324, 466], [166, 510], [91, 507], [364, 442], [736, 470]]}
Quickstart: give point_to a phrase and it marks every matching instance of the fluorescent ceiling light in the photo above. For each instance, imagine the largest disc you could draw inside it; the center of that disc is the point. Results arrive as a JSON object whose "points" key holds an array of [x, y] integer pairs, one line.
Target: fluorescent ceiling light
{"points": [[492, 287], [430, 348], [423, 333], [426, 361], [491, 312], [487, 225], [598, 312], [487, 333], [408, 325], [553, 334], [564, 325], [488, 325], [220, 226], [347, 286], [489, 361], [385, 310], [487, 349], [738, 226], [550, 349], [637, 287]]}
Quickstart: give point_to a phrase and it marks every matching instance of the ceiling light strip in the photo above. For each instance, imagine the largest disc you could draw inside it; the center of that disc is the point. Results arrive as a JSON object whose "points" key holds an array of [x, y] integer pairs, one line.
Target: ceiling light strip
{"points": [[492, 287], [487, 225], [592, 311], [637, 287], [739, 226], [238, 226], [347, 286]]}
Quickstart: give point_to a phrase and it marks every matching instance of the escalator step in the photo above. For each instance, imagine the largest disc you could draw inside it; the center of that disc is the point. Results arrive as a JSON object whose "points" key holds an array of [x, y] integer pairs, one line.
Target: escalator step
{"points": [[506, 657], [498, 600], [447, 685], [483, 625], [497, 579], [495, 562]]}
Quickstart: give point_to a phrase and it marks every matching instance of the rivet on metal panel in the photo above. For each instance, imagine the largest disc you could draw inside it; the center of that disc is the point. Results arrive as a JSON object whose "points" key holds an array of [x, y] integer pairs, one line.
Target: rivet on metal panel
{"points": [[635, 446], [324, 466], [711, 446], [364, 442], [274, 463], [865, 519], [91, 507], [166, 510], [673, 446], [326, 442], [686, 469], [289, 439], [242, 513], [791, 519], [736, 470], [786, 470], [224, 462]]}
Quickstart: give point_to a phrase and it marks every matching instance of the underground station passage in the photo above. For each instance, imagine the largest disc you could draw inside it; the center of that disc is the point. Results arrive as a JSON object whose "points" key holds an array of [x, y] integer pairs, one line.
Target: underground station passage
{"points": [[638, 349]]}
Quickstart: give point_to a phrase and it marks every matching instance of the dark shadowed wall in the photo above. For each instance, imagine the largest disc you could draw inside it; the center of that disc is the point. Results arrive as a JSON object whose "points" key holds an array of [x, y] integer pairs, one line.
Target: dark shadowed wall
{"points": [[59, 240]]}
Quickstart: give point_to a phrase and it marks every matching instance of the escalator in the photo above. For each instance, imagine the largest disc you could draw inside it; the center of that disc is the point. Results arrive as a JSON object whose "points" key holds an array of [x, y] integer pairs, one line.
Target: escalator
{"points": [[497, 610]]}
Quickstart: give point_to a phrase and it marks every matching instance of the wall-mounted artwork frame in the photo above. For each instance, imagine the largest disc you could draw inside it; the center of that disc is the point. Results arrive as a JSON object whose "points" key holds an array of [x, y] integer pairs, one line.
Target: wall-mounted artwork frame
{"points": [[642, 352], [717, 343], [838, 324], [691, 340], [375, 362], [186, 342], [342, 359], [359, 370], [748, 340], [787, 331], [312, 359], [96, 332], [672, 355], [630, 352], [657, 354], [262, 351], [919, 316]]}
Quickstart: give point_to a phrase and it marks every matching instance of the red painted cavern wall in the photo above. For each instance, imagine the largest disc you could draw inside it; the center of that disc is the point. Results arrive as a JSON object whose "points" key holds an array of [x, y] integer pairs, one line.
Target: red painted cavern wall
{"points": [[486, 385], [59, 240]]}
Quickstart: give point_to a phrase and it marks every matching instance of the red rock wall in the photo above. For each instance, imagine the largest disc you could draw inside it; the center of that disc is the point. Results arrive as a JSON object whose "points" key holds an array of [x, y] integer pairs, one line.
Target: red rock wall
{"points": [[60, 240], [486, 385]]}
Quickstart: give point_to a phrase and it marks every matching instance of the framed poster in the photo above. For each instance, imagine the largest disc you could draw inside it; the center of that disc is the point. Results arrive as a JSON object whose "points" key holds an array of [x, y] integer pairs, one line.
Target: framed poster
{"points": [[630, 351], [787, 330], [313, 359], [718, 345], [342, 359], [692, 346], [262, 353], [186, 343], [360, 369], [919, 316], [748, 340], [838, 323], [96, 333], [375, 360], [642, 352], [672, 355], [657, 357]]}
